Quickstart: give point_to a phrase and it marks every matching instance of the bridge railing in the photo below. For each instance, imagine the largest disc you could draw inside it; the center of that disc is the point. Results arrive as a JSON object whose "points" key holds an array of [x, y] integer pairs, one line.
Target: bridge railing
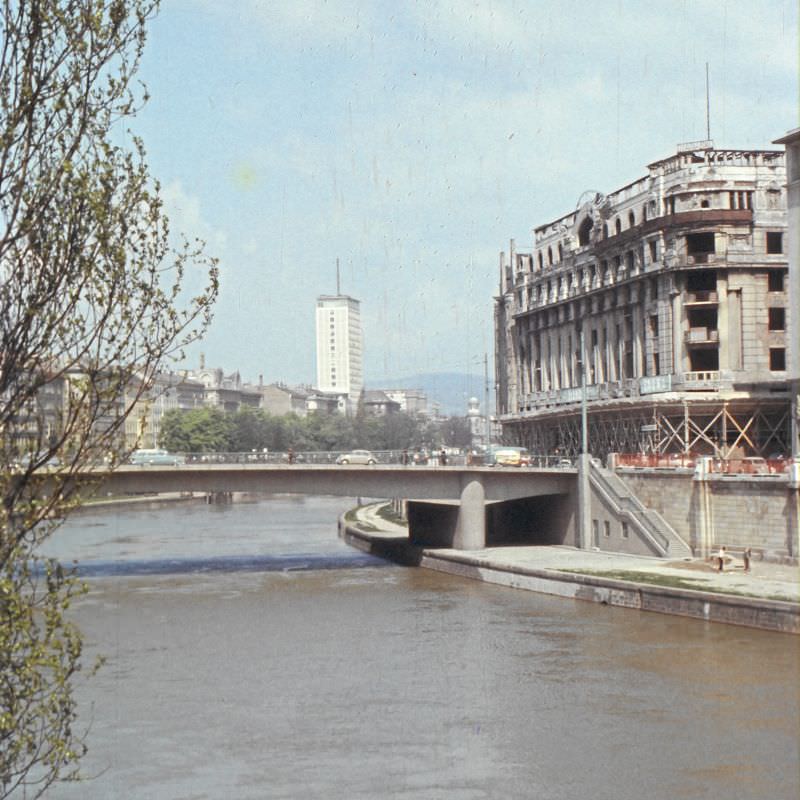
{"points": [[380, 456]]}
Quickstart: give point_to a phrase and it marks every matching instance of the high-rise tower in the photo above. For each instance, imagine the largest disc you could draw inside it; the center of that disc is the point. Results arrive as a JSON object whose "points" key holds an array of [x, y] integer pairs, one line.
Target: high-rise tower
{"points": [[339, 347]]}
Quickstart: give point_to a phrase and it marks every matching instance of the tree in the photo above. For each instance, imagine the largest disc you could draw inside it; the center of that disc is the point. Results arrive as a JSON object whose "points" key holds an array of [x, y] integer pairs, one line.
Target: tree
{"points": [[200, 430], [456, 432], [93, 301]]}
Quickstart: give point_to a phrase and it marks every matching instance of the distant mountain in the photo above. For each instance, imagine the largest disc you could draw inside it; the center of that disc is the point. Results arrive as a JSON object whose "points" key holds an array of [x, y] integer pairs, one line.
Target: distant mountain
{"points": [[451, 390]]}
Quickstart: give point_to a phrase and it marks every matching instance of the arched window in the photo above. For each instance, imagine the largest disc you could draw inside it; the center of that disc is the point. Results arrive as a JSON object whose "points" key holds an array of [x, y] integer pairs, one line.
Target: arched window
{"points": [[550, 256], [541, 260], [631, 219], [605, 230], [560, 252], [584, 231], [618, 225], [644, 213]]}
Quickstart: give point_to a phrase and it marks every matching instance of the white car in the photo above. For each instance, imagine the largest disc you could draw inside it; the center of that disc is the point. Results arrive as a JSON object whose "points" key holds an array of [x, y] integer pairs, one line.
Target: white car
{"points": [[156, 458], [357, 457]]}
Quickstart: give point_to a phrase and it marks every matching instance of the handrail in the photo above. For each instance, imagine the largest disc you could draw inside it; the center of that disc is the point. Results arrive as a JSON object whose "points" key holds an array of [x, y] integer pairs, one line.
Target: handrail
{"points": [[626, 503]]}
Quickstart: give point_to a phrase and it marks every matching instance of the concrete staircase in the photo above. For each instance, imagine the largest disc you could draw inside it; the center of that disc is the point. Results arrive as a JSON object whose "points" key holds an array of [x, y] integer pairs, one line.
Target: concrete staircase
{"points": [[646, 522]]}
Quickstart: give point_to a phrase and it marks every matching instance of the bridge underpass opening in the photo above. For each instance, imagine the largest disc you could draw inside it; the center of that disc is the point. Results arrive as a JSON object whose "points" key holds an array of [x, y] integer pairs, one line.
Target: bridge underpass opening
{"points": [[542, 520], [432, 524]]}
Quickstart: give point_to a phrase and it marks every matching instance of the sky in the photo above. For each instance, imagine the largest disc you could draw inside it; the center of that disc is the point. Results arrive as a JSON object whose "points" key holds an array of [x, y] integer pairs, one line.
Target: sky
{"points": [[413, 140]]}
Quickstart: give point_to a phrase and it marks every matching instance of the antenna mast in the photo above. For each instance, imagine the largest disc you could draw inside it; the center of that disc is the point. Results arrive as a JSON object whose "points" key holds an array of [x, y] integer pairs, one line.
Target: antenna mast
{"points": [[708, 107], [338, 290]]}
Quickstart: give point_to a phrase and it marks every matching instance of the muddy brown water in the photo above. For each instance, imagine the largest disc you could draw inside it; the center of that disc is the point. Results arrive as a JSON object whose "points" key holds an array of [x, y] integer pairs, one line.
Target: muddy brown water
{"points": [[251, 654]]}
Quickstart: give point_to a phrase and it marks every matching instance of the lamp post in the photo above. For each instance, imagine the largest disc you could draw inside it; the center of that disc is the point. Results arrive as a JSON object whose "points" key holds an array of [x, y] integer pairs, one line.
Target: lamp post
{"points": [[487, 420], [584, 409], [584, 465]]}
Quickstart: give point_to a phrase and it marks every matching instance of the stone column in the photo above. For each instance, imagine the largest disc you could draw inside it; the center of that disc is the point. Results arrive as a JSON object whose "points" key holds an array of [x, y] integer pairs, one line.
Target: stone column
{"points": [[470, 531], [584, 521], [677, 334]]}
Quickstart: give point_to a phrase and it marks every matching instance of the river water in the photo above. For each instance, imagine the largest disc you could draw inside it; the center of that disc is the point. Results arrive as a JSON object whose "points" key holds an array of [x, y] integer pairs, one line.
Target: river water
{"points": [[251, 654]]}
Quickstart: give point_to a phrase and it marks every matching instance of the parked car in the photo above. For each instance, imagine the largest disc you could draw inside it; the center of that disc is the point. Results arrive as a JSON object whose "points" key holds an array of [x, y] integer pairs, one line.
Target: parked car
{"points": [[158, 458], [509, 457], [357, 457]]}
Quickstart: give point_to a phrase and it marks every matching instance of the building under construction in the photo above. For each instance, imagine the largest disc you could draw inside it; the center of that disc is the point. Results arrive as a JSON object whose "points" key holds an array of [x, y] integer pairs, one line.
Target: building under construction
{"points": [[672, 291]]}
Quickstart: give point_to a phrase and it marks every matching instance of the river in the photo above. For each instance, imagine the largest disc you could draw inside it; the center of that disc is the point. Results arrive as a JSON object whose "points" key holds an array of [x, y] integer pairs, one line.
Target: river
{"points": [[251, 654]]}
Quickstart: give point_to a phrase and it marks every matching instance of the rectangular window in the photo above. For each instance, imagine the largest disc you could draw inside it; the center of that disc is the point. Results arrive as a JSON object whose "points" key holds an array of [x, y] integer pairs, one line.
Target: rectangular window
{"points": [[700, 243], [606, 529], [777, 359], [775, 280], [742, 200], [777, 319], [624, 530], [774, 242], [596, 533]]}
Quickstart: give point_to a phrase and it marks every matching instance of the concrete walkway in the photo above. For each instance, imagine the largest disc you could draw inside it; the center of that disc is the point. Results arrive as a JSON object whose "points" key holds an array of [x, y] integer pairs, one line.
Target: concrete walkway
{"points": [[765, 580]]}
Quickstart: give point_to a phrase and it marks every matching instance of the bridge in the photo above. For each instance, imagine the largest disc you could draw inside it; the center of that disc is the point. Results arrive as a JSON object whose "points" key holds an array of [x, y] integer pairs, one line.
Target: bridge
{"points": [[448, 506]]}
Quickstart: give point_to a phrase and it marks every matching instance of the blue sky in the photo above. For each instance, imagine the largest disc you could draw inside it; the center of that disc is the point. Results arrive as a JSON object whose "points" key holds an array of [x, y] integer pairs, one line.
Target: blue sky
{"points": [[412, 140]]}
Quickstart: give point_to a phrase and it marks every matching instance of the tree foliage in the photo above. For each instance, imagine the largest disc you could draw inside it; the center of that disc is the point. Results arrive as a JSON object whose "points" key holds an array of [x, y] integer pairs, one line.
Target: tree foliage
{"points": [[206, 430], [93, 300]]}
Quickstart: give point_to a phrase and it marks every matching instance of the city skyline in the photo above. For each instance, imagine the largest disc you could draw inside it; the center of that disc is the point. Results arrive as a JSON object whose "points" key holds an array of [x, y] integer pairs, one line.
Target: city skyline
{"points": [[413, 142]]}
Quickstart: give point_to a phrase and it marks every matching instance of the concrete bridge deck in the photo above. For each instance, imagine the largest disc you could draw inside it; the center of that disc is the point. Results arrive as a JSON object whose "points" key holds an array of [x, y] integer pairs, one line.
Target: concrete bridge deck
{"points": [[454, 505], [418, 482]]}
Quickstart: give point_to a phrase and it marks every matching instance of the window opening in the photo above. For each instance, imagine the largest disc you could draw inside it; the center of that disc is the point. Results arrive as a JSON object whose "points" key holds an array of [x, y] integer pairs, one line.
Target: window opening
{"points": [[701, 360], [700, 244], [702, 280], [777, 359], [774, 242], [775, 280], [777, 319], [584, 232]]}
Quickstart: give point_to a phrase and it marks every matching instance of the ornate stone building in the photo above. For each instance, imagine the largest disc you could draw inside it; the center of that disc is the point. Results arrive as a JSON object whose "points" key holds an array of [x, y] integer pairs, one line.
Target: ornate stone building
{"points": [[673, 292]]}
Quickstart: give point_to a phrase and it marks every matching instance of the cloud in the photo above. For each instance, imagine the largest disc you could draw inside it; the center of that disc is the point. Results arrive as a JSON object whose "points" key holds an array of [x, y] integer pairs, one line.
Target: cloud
{"points": [[186, 218], [413, 140]]}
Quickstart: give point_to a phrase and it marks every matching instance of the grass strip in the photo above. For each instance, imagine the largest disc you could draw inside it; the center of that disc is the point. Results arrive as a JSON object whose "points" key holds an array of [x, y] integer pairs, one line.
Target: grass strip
{"points": [[672, 581]]}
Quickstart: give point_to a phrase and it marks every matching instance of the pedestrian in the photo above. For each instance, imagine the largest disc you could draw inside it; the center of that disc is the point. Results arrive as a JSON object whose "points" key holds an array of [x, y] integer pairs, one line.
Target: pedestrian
{"points": [[404, 458], [721, 557], [746, 557], [443, 458], [290, 455]]}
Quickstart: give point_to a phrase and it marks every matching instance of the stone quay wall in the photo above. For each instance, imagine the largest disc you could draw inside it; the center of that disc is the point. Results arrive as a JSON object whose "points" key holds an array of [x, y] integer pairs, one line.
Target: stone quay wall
{"points": [[731, 511]]}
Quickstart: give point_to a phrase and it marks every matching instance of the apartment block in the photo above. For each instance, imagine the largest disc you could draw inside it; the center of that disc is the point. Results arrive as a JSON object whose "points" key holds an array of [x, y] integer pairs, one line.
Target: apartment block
{"points": [[669, 295], [339, 348]]}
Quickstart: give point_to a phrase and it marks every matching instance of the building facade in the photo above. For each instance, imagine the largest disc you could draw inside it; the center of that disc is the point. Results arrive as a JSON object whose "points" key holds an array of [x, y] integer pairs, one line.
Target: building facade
{"points": [[412, 401], [672, 291], [339, 347], [792, 143]]}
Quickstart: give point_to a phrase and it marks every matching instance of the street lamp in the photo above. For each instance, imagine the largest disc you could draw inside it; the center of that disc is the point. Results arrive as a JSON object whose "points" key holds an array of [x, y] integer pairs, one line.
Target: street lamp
{"points": [[584, 410], [487, 420]]}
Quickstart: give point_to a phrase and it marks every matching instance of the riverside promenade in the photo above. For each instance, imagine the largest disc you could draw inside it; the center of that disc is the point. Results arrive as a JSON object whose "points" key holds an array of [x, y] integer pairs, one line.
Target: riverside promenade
{"points": [[768, 596]]}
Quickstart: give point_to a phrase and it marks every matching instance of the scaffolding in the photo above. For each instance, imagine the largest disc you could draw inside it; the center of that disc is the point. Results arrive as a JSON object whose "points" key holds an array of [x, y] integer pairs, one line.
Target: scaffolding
{"points": [[722, 429]]}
